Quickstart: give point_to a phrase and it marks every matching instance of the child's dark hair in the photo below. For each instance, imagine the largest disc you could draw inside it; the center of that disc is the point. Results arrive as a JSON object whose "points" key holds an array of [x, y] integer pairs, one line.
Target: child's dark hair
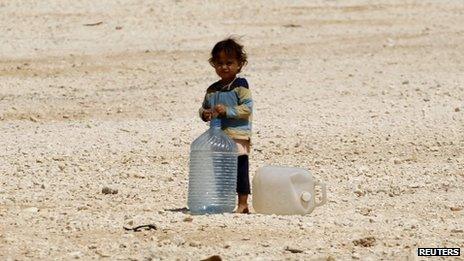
{"points": [[231, 48]]}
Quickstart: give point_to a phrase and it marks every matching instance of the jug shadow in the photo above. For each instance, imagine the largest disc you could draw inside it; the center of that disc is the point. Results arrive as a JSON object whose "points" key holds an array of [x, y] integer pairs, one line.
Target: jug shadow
{"points": [[183, 210]]}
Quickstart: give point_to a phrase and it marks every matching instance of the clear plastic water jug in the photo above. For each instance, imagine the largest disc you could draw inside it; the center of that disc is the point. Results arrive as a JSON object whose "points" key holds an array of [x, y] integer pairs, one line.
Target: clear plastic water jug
{"points": [[213, 172], [286, 191]]}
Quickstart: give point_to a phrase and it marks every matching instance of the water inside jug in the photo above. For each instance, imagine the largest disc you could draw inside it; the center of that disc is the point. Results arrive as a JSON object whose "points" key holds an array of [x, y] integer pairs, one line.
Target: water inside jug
{"points": [[212, 172]]}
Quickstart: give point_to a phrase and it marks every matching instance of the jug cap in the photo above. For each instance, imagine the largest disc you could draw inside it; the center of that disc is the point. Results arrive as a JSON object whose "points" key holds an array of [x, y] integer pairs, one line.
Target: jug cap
{"points": [[306, 196], [215, 123]]}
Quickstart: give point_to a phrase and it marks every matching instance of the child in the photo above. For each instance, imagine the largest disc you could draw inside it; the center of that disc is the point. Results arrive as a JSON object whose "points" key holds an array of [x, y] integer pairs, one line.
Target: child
{"points": [[234, 109]]}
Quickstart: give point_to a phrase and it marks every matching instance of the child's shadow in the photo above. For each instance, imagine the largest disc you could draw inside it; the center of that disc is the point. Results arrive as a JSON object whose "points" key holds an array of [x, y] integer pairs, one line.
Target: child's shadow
{"points": [[182, 210]]}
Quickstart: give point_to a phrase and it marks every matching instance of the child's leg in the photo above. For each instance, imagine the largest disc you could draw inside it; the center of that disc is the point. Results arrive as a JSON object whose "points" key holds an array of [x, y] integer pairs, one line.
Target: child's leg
{"points": [[243, 180], [243, 184]]}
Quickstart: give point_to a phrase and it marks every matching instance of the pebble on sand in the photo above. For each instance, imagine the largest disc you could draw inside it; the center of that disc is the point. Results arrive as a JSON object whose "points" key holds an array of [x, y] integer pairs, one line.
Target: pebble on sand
{"points": [[293, 250], [31, 210], [212, 258], [188, 219], [107, 190], [365, 242]]}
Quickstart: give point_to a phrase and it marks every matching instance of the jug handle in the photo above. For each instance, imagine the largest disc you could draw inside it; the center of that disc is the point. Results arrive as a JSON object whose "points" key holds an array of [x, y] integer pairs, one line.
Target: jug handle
{"points": [[324, 193]]}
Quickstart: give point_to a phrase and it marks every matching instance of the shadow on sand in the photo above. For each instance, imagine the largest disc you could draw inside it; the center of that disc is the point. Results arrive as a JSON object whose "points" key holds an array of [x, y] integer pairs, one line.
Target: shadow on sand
{"points": [[183, 210]]}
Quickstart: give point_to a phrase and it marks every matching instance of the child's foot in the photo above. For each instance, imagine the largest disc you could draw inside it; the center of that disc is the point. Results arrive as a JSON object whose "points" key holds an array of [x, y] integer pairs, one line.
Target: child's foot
{"points": [[242, 209]]}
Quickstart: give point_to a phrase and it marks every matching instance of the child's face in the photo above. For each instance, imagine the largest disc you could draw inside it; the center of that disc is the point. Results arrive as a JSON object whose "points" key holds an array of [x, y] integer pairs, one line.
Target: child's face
{"points": [[226, 67]]}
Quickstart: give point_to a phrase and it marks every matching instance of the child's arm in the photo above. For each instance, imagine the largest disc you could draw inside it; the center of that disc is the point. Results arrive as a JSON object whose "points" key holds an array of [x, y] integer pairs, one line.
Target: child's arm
{"points": [[204, 110], [245, 105], [206, 113]]}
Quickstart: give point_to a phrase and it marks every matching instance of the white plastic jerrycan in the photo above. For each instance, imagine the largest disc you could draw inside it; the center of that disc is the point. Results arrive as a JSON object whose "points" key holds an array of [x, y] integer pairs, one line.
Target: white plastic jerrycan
{"points": [[285, 191]]}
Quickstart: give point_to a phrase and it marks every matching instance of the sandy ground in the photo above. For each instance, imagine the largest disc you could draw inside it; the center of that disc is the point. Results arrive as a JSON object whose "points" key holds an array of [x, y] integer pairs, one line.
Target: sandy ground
{"points": [[367, 95]]}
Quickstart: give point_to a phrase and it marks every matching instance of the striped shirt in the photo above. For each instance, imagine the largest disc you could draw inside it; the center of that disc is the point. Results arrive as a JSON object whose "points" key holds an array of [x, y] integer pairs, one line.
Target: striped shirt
{"points": [[236, 96]]}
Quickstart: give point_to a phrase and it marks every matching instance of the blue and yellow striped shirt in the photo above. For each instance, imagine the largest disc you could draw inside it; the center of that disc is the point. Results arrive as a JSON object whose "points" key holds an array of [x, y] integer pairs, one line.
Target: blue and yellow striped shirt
{"points": [[239, 106]]}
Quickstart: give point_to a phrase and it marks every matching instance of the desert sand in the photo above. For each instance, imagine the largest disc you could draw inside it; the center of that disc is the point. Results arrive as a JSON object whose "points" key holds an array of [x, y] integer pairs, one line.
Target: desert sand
{"points": [[367, 95]]}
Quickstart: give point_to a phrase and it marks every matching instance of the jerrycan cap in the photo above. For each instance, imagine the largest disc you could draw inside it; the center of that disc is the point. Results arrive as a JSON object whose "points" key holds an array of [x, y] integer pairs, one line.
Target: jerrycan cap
{"points": [[306, 196]]}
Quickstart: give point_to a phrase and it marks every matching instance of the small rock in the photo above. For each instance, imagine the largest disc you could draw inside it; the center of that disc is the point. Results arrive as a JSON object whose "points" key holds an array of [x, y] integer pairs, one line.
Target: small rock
{"points": [[293, 250], [212, 258], [33, 119], [457, 109], [359, 192], [76, 254], [102, 254], [107, 190], [188, 219], [139, 176], [405, 82], [291, 25], [194, 244], [457, 230], [31, 210], [414, 185], [456, 208], [365, 242], [365, 211]]}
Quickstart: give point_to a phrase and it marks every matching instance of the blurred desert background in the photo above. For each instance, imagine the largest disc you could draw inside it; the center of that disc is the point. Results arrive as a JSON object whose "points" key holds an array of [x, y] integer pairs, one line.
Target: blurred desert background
{"points": [[367, 95]]}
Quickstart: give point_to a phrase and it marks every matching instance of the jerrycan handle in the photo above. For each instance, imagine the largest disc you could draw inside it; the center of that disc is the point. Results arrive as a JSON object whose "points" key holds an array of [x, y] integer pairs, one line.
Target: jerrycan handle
{"points": [[324, 193]]}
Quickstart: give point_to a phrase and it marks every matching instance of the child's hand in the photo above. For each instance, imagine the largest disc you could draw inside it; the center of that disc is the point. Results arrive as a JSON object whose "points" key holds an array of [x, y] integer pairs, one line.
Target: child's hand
{"points": [[207, 114], [220, 109]]}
